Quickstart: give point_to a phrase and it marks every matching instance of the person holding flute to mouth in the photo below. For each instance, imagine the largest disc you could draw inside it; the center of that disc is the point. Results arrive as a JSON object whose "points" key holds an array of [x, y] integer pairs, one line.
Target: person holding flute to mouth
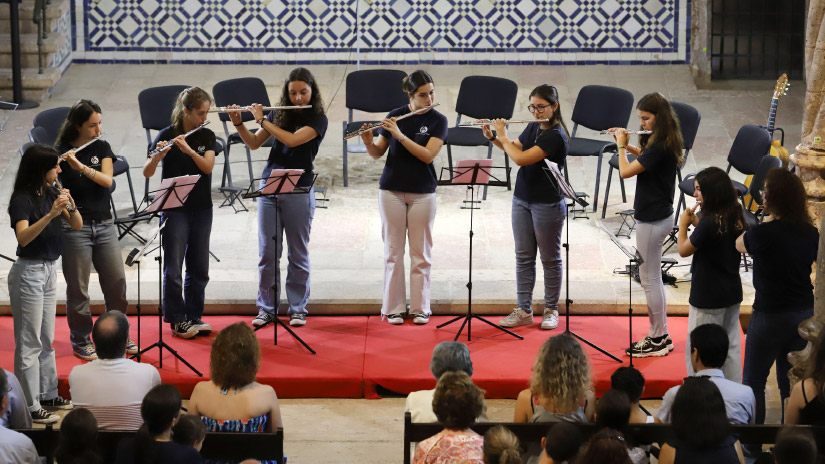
{"points": [[659, 157], [406, 198], [87, 173]]}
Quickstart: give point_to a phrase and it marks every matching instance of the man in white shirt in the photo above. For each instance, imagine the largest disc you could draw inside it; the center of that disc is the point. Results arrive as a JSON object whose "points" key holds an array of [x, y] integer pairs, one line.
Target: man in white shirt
{"points": [[112, 387], [14, 446], [709, 348]]}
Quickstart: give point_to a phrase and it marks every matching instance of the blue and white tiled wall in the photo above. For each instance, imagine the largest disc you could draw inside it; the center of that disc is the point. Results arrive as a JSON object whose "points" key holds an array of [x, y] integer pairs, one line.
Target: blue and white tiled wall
{"points": [[392, 31]]}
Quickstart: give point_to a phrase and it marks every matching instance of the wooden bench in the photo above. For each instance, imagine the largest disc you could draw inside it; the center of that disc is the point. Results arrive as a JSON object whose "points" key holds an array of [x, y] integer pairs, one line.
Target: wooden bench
{"points": [[217, 445]]}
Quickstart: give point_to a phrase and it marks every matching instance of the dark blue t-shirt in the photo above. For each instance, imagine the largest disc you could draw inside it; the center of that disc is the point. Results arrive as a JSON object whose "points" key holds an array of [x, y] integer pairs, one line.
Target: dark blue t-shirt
{"points": [[176, 164], [656, 185], [300, 157], [715, 281], [49, 243], [91, 198], [533, 183], [403, 172], [783, 254]]}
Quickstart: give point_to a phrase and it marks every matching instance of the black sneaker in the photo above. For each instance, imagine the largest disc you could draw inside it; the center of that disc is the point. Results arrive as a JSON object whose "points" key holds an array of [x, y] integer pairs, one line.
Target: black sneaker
{"points": [[183, 329], [297, 320], [395, 319], [41, 416], [56, 403], [85, 352], [420, 318], [646, 347], [669, 343], [262, 318], [202, 327]]}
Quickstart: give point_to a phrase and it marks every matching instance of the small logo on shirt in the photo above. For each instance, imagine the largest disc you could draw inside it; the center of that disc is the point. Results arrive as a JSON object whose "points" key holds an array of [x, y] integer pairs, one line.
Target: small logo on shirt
{"points": [[95, 160], [422, 130], [201, 149]]}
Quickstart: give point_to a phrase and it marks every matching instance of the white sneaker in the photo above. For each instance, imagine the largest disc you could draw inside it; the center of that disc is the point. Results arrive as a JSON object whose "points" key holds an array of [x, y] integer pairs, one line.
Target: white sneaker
{"points": [[518, 317], [420, 318], [395, 319], [550, 320]]}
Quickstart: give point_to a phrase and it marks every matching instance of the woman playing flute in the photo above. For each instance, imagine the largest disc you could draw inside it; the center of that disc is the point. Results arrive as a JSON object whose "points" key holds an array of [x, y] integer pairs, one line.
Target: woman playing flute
{"points": [[298, 134], [660, 155], [538, 211], [406, 199], [185, 236], [87, 173]]}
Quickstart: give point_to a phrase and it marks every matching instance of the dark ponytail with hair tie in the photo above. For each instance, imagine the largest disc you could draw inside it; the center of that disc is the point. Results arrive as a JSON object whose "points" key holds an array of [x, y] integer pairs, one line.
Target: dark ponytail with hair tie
{"points": [[415, 80]]}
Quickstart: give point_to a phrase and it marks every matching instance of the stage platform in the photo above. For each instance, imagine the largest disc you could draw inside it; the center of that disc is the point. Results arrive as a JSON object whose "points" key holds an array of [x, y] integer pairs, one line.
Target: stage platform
{"points": [[356, 355]]}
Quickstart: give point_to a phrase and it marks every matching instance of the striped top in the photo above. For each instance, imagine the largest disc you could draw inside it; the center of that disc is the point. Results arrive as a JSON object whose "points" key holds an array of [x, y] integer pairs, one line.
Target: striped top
{"points": [[116, 417]]}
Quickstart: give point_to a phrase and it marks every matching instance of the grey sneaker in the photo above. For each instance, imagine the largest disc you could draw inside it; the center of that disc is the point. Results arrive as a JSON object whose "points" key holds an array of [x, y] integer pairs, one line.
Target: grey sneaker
{"points": [[421, 318], [395, 319], [41, 416], [550, 320], [183, 330], [131, 347], [85, 352], [202, 327], [297, 320], [57, 403], [262, 318], [518, 317]]}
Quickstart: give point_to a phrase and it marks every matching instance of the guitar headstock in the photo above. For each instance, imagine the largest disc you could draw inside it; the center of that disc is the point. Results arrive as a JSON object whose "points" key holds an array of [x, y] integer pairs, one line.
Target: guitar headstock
{"points": [[781, 87]]}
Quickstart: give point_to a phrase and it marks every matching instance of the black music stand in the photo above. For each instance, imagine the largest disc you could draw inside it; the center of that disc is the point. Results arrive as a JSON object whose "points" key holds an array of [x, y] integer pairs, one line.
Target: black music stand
{"points": [[566, 190], [167, 198], [135, 257], [280, 182], [634, 260], [472, 173]]}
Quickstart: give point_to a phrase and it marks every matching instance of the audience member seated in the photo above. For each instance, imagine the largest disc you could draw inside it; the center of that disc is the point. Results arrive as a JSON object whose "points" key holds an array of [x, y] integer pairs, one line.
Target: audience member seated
{"points": [[709, 348], [606, 446], [501, 446], [457, 403], [112, 387], [632, 383], [189, 431], [700, 427], [795, 446], [447, 356], [233, 401], [559, 388], [14, 446], [78, 439], [807, 403], [562, 444], [153, 443], [613, 412], [17, 416]]}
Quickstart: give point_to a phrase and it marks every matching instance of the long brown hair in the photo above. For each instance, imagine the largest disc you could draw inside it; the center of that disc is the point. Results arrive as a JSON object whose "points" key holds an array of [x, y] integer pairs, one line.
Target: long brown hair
{"points": [[80, 113], [290, 120], [551, 95], [191, 99], [720, 200], [786, 198], [666, 128]]}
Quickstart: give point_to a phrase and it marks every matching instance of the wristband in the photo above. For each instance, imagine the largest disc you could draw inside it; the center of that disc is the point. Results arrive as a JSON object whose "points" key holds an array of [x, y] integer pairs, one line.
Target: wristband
{"points": [[402, 139], [490, 139], [236, 125], [620, 147], [261, 121]]}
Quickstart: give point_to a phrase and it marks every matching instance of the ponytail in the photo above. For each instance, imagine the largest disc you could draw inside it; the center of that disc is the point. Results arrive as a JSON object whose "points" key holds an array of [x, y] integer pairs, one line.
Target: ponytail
{"points": [[415, 80]]}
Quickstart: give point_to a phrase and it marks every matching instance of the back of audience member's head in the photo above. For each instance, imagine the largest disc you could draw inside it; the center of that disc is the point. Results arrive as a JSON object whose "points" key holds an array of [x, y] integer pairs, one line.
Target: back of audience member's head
{"points": [[189, 430], [77, 443], [235, 357], [501, 446], [160, 409], [711, 342], [698, 414], [607, 446], [451, 356], [109, 334], [630, 381], [562, 443], [457, 401], [561, 372], [613, 410], [795, 446]]}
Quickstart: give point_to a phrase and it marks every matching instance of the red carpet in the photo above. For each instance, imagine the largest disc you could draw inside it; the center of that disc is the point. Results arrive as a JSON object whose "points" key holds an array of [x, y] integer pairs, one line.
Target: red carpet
{"points": [[357, 354]]}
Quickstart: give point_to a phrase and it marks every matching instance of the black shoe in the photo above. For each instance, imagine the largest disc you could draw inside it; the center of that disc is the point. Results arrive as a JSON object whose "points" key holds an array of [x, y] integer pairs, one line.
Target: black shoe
{"points": [[56, 403], [669, 343], [183, 329], [646, 347], [262, 318], [41, 416], [202, 327], [297, 320]]}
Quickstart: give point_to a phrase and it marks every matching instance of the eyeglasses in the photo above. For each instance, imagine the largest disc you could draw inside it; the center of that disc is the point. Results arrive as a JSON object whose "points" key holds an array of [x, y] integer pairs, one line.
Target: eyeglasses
{"points": [[537, 108]]}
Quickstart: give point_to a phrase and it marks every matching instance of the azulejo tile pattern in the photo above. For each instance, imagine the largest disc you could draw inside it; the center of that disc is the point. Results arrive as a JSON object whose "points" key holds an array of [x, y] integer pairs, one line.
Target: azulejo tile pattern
{"points": [[477, 31]]}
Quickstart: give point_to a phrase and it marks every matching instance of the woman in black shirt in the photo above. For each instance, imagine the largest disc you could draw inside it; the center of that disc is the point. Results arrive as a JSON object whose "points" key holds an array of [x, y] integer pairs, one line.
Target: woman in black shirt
{"points": [[538, 210], [88, 175], [35, 203], [406, 198], [783, 247], [660, 154], [715, 289]]}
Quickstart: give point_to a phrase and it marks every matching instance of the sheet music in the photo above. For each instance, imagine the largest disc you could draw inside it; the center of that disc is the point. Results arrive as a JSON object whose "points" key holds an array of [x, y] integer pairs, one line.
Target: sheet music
{"points": [[566, 189], [465, 169], [277, 176], [177, 189], [631, 253]]}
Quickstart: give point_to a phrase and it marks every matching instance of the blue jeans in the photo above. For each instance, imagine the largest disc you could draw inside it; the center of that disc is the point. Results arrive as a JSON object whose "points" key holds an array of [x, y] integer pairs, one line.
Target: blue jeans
{"points": [[538, 227], [32, 293], [94, 244], [294, 220], [185, 239], [771, 336]]}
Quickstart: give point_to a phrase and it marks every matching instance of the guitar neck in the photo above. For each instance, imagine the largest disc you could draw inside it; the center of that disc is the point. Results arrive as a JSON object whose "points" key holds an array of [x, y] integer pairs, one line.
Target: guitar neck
{"points": [[772, 115]]}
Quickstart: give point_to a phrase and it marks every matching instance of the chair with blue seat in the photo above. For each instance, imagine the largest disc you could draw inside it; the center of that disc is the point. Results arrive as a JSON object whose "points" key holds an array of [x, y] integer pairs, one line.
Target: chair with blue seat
{"points": [[481, 97], [598, 108], [50, 120], [242, 91], [40, 135], [370, 91], [689, 119]]}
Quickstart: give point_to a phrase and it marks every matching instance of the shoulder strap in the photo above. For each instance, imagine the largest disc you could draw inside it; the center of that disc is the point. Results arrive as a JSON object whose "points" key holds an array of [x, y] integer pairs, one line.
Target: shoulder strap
{"points": [[804, 396]]}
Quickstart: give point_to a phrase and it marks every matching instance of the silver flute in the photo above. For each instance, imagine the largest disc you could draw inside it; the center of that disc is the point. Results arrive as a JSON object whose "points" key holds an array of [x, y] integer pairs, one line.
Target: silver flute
{"points": [[57, 187], [490, 123], [64, 155], [226, 109], [629, 131], [170, 144], [378, 125]]}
